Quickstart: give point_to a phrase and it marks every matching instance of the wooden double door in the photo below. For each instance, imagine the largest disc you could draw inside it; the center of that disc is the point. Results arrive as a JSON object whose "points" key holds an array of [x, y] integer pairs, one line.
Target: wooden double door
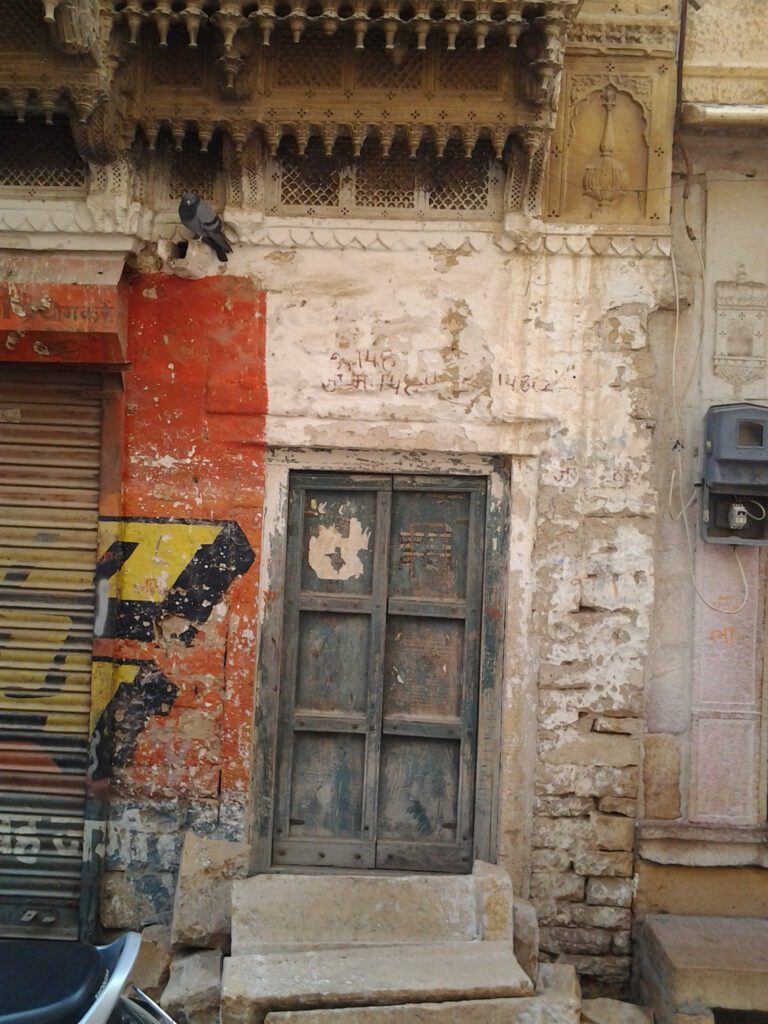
{"points": [[377, 736]]}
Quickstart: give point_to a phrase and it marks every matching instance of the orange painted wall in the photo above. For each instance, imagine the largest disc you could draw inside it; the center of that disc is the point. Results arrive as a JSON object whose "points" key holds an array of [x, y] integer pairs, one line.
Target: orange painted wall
{"points": [[195, 405]]}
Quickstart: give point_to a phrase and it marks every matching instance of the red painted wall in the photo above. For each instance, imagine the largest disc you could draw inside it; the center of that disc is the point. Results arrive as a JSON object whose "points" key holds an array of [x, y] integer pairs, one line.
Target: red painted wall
{"points": [[195, 404]]}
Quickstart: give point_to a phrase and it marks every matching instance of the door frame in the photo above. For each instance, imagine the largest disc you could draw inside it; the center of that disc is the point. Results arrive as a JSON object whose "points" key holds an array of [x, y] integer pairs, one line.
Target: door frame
{"points": [[280, 463]]}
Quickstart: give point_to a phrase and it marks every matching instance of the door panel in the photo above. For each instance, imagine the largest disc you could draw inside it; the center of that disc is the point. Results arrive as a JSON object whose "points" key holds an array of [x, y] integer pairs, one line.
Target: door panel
{"points": [[327, 785], [379, 687], [334, 650], [423, 667], [330, 711]]}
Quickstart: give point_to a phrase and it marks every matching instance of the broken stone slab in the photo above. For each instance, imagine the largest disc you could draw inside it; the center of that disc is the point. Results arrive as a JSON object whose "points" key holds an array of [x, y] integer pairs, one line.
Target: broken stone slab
{"points": [[202, 904], [526, 937], [613, 1011], [256, 984], [556, 1001], [687, 965], [193, 993], [152, 967], [494, 901], [275, 913]]}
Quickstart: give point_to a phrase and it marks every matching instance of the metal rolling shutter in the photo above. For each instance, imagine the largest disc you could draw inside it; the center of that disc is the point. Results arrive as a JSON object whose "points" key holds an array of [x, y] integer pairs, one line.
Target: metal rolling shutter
{"points": [[50, 439]]}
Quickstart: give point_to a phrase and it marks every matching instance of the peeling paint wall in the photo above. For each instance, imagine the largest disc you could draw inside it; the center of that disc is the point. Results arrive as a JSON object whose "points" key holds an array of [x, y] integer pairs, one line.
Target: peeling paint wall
{"points": [[461, 353], [546, 361], [177, 585]]}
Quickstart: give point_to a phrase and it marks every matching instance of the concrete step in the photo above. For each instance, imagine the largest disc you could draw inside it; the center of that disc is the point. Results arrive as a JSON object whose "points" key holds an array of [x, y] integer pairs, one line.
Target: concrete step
{"points": [[556, 1001], [686, 965], [255, 984], [278, 913]]}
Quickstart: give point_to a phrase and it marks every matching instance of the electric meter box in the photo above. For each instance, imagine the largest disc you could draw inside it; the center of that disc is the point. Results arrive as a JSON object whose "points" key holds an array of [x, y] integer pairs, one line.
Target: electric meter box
{"points": [[735, 489]]}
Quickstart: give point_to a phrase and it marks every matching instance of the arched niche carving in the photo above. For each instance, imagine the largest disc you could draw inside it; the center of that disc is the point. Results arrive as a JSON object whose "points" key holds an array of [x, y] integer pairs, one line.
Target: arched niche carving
{"points": [[606, 169]]}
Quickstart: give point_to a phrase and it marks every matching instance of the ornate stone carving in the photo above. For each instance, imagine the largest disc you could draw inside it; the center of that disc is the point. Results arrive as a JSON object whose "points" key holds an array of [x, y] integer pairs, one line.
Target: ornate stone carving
{"points": [[75, 25], [102, 135], [429, 74], [741, 309], [611, 158], [447, 20], [606, 181]]}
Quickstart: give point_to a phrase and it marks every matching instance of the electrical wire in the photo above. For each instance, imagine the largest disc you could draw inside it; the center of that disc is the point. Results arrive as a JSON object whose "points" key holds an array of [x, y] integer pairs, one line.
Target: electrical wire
{"points": [[754, 501]]}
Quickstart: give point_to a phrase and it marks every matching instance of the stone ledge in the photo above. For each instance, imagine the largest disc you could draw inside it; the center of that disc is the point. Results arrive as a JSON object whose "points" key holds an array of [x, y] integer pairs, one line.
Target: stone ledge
{"points": [[556, 1001], [449, 971], [703, 845], [690, 964]]}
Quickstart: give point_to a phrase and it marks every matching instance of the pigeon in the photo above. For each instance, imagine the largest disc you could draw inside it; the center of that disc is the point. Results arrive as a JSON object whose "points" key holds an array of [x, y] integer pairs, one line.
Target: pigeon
{"points": [[203, 221]]}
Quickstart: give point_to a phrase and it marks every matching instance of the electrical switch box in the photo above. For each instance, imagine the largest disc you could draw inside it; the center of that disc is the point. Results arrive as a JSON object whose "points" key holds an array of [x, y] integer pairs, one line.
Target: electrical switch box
{"points": [[734, 507]]}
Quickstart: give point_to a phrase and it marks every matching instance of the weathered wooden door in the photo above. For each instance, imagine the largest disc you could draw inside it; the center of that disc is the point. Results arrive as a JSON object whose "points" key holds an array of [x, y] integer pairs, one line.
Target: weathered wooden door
{"points": [[379, 683]]}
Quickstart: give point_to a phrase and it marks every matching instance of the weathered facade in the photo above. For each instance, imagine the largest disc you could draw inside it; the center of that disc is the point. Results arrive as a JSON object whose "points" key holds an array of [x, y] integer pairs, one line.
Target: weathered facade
{"points": [[385, 577]]}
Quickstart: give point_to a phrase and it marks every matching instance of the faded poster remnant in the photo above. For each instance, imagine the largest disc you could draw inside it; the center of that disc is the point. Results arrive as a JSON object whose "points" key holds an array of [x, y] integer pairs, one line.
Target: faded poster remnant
{"points": [[333, 556]]}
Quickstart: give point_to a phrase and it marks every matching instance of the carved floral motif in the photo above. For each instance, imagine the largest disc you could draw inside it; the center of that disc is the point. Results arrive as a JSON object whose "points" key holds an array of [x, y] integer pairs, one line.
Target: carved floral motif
{"points": [[741, 309], [606, 181]]}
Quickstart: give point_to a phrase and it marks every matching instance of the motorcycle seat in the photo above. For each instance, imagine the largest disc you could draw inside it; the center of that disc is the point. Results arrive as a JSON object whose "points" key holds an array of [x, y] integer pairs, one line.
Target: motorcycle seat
{"points": [[48, 981]]}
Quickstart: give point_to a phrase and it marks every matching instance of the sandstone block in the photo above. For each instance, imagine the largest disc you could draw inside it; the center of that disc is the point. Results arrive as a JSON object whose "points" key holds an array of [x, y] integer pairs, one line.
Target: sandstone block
{"points": [[609, 892], [526, 942], [556, 1001], [661, 777], [494, 901], [193, 993], [563, 885], [587, 780], [702, 962], [618, 805], [561, 833], [575, 940], [601, 917], [598, 862], [255, 984], [621, 943], [595, 749], [613, 832], [613, 1011], [269, 912], [201, 908], [564, 806], [152, 967], [550, 860]]}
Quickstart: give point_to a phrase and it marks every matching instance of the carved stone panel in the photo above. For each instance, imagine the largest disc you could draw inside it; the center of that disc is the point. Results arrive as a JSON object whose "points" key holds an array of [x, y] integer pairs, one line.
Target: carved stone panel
{"points": [[741, 310], [611, 152]]}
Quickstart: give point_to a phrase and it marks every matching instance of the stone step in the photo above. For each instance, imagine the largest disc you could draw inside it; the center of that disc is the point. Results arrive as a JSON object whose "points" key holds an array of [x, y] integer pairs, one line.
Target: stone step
{"points": [[689, 964], [274, 913], [556, 1001], [255, 984]]}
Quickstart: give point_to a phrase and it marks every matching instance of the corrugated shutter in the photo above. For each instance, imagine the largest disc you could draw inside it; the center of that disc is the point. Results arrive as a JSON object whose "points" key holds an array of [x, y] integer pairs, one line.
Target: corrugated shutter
{"points": [[50, 440]]}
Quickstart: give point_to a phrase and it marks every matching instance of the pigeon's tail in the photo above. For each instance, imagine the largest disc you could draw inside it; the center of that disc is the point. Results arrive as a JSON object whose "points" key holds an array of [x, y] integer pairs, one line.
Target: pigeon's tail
{"points": [[219, 244]]}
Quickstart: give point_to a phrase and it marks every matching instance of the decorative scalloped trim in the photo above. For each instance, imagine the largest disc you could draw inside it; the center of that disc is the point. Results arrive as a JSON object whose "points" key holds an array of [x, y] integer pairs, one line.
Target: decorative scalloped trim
{"points": [[94, 218]]}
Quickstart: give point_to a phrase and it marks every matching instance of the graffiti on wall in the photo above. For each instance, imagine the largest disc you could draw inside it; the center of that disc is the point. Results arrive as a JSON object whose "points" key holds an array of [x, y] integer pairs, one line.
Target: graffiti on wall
{"points": [[165, 569], [148, 572], [156, 580]]}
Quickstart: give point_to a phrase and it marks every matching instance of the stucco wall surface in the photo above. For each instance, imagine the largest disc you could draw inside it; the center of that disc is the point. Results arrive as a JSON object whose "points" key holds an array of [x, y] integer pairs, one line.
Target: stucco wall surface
{"points": [[542, 360], [179, 572]]}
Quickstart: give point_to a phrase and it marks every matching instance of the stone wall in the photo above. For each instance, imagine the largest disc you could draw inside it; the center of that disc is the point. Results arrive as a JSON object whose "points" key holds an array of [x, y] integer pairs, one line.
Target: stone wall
{"points": [[473, 350], [704, 787]]}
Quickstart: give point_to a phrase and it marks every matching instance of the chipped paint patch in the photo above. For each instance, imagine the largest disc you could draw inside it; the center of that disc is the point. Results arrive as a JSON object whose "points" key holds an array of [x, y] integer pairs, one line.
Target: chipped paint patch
{"points": [[332, 556]]}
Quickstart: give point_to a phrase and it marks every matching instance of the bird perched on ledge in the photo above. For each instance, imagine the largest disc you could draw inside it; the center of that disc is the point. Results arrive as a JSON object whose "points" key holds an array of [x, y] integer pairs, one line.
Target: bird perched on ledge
{"points": [[204, 223]]}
